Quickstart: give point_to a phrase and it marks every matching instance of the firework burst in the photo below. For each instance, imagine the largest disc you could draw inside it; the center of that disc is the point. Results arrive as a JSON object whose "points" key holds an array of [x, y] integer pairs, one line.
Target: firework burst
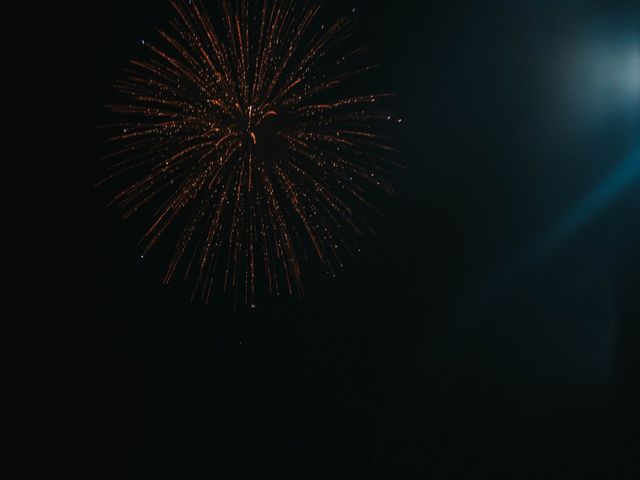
{"points": [[238, 135]]}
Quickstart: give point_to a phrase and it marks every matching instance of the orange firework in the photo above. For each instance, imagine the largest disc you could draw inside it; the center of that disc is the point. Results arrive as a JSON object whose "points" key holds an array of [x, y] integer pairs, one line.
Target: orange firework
{"points": [[243, 139]]}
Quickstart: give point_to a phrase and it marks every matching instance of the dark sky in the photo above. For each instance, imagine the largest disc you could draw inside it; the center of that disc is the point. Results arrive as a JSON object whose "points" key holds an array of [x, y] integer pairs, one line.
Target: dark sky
{"points": [[489, 330]]}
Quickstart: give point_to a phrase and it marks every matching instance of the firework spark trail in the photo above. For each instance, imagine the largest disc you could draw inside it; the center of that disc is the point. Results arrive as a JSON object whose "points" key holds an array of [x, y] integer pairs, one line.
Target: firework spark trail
{"points": [[242, 137]]}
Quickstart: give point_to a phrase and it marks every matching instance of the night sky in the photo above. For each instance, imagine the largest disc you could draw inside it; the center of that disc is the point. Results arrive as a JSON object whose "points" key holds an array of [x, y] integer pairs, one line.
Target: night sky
{"points": [[490, 328]]}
